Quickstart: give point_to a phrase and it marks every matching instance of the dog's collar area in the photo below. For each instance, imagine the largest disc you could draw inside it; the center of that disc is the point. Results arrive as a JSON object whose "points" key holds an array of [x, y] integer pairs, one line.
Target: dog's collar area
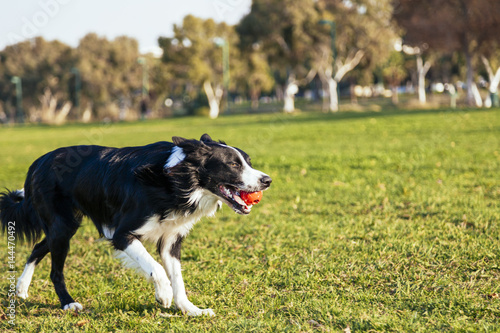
{"points": [[176, 156]]}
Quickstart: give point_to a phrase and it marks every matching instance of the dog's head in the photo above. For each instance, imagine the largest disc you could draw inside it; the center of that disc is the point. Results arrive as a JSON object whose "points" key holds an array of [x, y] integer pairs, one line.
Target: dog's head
{"points": [[223, 170]]}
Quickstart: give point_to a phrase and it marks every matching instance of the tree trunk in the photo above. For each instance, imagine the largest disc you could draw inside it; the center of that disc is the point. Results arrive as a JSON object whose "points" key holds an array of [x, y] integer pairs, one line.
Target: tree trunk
{"points": [[422, 70], [395, 95], [289, 95], [289, 105], [214, 98], [254, 97], [87, 114], [334, 98], [60, 118], [494, 82], [477, 96], [333, 79], [49, 112], [470, 76]]}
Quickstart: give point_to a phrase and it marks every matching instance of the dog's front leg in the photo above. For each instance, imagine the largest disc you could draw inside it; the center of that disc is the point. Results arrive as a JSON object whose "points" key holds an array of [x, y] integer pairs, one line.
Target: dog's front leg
{"points": [[153, 270], [170, 255]]}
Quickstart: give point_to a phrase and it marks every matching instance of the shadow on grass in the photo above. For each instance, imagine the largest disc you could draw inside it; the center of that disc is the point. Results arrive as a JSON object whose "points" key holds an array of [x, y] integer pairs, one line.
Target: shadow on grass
{"points": [[26, 306]]}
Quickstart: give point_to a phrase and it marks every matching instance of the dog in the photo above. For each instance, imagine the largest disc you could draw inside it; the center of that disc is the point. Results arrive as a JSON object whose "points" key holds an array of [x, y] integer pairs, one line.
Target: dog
{"points": [[151, 193]]}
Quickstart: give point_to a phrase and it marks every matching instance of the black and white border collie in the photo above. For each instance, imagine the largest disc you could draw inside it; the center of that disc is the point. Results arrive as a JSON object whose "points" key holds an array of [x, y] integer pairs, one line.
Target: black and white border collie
{"points": [[155, 192]]}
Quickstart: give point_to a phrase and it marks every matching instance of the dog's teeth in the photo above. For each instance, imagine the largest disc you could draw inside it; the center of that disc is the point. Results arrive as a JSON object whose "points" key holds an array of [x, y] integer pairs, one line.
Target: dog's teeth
{"points": [[240, 201]]}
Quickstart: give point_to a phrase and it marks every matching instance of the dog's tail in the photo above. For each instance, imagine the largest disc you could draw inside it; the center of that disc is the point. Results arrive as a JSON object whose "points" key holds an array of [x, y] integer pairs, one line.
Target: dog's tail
{"points": [[18, 217]]}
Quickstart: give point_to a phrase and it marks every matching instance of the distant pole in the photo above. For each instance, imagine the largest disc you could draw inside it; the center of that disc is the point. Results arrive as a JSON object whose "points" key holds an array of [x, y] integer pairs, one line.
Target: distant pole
{"points": [[19, 98], [78, 87], [145, 78], [225, 62], [221, 42], [494, 99]]}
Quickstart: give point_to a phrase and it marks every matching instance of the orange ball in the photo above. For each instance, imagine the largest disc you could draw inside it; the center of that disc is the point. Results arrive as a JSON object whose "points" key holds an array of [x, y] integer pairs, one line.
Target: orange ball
{"points": [[251, 198]]}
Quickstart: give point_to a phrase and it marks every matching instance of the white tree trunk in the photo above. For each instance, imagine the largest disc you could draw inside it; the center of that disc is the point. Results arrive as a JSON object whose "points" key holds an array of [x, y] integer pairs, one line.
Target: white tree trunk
{"points": [[289, 105], [422, 69], [63, 113], [49, 112], [289, 95], [477, 97], [214, 98], [334, 98], [342, 69], [87, 114], [494, 81]]}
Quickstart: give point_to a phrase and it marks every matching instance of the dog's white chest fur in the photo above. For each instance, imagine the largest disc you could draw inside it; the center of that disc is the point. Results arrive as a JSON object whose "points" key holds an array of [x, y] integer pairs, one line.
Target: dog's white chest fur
{"points": [[179, 223]]}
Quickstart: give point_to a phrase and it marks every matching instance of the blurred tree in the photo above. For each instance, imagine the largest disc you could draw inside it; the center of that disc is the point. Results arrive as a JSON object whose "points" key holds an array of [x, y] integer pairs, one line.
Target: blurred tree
{"points": [[258, 76], [44, 67], [422, 66], [490, 57], [394, 72], [286, 31], [449, 26], [364, 33], [194, 57], [109, 71]]}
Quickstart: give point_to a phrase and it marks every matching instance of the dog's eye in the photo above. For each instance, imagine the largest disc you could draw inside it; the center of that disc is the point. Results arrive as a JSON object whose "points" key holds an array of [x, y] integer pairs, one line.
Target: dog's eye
{"points": [[234, 165]]}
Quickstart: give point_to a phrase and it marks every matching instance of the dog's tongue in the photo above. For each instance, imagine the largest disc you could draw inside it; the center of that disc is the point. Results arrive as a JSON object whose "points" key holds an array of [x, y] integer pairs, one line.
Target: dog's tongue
{"points": [[251, 198]]}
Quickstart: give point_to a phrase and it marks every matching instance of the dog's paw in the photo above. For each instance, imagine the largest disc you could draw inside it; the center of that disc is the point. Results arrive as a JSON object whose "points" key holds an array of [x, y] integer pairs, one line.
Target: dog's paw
{"points": [[164, 295], [22, 294], [22, 288], [191, 310], [202, 312], [73, 306]]}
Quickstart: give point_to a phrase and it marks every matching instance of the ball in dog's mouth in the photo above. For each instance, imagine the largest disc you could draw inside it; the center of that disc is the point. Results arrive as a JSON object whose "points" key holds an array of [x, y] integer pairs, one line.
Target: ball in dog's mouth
{"points": [[240, 201], [251, 198]]}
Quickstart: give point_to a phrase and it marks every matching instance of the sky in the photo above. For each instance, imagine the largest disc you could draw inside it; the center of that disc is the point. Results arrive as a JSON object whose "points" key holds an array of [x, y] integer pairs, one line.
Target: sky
{"points": [[145, 20]]}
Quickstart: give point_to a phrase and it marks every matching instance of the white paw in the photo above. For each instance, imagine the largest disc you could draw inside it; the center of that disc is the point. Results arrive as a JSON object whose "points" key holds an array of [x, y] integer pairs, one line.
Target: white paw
{"points": [[164, 295], [22, 294], [73, 306], [202, 312], [22, 290], [191, 310]]}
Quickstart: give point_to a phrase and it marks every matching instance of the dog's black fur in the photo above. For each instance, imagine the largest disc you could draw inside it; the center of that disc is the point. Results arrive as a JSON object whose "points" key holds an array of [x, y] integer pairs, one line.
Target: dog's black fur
{"points": [[117, 188]]}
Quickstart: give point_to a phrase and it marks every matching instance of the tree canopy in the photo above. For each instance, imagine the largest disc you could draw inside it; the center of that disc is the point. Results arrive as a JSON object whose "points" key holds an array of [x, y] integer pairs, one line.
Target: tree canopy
{"points": [[195, 54], [451, 26], [282, 48]]}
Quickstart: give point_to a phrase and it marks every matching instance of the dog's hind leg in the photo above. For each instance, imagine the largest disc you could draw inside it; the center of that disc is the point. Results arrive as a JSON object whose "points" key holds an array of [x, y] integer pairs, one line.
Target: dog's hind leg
{"points": [[39, 251], [59, 248], [61, 231]]}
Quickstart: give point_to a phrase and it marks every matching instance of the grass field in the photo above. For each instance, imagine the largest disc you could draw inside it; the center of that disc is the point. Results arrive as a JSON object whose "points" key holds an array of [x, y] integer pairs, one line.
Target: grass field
{"points": [[383, 221]]}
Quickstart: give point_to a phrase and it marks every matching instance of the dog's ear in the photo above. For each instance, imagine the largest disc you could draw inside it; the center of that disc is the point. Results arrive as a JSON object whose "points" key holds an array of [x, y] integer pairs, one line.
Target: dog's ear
{"points": [[177, 140], [206, 138], [189, 146]]}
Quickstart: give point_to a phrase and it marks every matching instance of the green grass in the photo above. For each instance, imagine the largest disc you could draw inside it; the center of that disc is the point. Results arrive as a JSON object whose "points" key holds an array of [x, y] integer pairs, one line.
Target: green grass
{"points": [[383, 221]]}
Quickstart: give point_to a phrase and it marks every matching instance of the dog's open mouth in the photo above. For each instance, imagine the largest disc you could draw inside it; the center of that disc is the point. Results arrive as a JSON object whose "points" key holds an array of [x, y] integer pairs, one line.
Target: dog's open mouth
{"points": [[232, 197]]}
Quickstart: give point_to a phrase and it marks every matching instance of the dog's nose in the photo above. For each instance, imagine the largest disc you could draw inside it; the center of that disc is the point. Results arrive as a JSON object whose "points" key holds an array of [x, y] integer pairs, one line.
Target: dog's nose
{"points": [[266, 180]]}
